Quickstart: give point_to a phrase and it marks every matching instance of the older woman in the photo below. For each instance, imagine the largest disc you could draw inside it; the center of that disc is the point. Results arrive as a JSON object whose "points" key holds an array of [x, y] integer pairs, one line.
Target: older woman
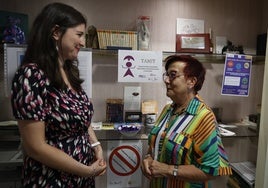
{"points": [[185, 149]]}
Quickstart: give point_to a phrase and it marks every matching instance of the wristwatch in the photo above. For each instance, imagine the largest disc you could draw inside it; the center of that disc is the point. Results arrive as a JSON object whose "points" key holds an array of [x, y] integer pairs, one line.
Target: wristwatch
{"points": [[175, 170]]}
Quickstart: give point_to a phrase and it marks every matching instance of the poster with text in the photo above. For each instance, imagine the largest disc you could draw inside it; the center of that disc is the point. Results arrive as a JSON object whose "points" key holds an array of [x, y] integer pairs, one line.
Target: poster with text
{"points": [[236, 77], [139, 66], [124, 158]]}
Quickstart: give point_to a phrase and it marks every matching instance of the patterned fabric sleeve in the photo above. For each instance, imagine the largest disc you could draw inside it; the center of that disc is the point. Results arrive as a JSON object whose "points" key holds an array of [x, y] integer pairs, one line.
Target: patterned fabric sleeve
{"points": [[210, 154], [28, 92]]}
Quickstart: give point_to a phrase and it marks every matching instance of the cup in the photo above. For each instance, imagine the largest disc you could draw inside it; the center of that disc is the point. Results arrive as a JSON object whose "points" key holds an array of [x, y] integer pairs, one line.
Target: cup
{"points": [[150, 119]]}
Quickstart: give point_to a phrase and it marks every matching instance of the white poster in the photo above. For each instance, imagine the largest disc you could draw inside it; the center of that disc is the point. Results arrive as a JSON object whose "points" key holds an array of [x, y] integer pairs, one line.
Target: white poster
{"points": [[189, 26], [85, 69], [124, 158], [15, 53], [13, 56], [139, 66]]}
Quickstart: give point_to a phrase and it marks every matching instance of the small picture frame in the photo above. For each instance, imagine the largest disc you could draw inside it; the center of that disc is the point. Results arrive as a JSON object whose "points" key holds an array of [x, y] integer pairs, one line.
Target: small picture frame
{"points": [[114, 110], [193, 43], [131, 117]]}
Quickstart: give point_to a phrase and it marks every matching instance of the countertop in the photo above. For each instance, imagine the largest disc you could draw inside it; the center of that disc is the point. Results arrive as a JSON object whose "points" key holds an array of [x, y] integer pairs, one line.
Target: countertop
{"points": [[242, 131], [239, 130], [11, 155], [114, 134]]}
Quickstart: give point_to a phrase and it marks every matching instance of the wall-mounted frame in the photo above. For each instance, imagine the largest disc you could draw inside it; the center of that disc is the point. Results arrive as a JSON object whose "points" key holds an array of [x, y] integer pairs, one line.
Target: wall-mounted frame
{"points": [[193, 43]]}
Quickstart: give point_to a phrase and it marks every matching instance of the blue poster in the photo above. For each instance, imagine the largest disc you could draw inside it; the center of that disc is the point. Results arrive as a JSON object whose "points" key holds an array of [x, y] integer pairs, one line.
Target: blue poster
{"points": [[236, 77]]}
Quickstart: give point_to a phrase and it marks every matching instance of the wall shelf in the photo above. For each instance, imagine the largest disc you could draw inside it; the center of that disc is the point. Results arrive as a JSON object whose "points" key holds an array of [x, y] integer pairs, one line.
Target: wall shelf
{"points": [[204, 58]]}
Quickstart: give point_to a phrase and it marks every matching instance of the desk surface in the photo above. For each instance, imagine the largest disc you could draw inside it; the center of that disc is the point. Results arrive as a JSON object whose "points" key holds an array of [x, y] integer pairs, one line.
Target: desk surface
{"points": [[240, 131]]}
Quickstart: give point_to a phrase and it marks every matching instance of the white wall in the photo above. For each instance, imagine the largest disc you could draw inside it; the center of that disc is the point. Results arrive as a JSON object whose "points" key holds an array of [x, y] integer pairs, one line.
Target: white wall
{"points": [[234, 108], [240, 20], [223, 17], [262, 160]]}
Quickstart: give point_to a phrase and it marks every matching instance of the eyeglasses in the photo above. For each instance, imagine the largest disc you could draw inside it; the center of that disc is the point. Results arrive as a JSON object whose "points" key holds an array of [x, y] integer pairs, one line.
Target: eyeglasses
{"points": [[171, 76]]}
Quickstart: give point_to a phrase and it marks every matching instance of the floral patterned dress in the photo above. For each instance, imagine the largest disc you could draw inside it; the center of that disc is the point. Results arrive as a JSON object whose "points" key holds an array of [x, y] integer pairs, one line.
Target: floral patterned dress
{"points": [[67, 115]]}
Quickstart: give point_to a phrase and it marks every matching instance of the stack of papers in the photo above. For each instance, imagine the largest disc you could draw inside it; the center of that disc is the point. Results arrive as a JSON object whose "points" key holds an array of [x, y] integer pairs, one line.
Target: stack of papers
{"points": [[225, 132], [246, 170], [227, 126]]}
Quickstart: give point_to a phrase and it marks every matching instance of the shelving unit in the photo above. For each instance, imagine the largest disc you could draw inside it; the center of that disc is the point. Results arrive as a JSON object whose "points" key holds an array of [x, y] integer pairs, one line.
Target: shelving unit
{"points": [[204, 58]]}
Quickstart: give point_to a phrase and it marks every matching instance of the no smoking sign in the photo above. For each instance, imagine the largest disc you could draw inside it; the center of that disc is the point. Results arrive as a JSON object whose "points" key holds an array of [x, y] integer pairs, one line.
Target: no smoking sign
{"points": [[124, 160]]}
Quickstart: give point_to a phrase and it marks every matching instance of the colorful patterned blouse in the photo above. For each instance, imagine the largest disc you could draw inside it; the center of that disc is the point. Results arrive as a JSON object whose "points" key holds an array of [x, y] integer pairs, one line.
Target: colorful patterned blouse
{"points": [[66, 114], [190, 138]]}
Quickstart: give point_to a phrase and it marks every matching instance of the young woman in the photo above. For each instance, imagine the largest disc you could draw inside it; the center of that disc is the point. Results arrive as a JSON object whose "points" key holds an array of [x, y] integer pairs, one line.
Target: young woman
{"points": [[52, 109]]}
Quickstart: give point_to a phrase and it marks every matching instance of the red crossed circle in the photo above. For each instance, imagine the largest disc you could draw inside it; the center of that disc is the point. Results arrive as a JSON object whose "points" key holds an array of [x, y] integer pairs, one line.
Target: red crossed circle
{"points": [[125, 163]]}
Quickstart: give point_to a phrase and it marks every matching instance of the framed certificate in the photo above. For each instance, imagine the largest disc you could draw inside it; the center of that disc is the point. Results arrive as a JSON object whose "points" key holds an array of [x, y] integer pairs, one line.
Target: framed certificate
{"points": [[193, 43]]}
